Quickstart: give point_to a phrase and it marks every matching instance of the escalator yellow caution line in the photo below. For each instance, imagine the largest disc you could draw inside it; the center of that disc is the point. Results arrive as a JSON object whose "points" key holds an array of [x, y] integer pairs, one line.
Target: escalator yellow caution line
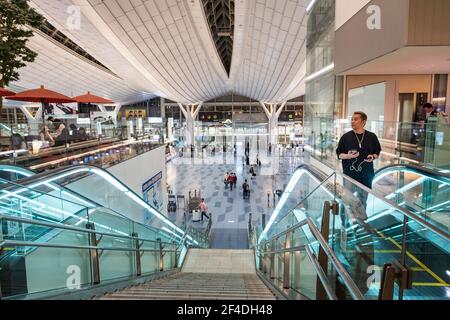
{"points": [[417, 269], [429, 284], [419, 263]]}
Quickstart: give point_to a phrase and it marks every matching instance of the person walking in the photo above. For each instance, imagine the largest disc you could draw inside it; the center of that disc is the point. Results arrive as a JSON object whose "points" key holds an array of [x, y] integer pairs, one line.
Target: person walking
{"points": [[358, 149], [234, 179], [203, 209], [225, 179], [246, 188], [230, 181]]}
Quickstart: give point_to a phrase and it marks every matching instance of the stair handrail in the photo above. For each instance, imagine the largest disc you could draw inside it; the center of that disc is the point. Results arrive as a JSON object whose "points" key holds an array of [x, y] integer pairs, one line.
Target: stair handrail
{"points": [[4, 217]]}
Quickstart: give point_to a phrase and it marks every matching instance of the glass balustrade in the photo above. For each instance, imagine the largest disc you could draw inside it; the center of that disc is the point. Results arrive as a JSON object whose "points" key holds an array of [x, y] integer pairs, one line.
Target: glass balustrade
{"points": [[46, 223], [401, 142], [369, 234]]}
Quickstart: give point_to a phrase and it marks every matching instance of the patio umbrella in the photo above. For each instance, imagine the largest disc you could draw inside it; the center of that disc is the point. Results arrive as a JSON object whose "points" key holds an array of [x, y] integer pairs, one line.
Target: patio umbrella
{"points": [[41, 95], [90, 98], [6, 93]]}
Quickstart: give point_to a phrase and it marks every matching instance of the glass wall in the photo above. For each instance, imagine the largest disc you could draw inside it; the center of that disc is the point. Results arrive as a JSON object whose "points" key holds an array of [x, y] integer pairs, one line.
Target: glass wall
{"points": [[368, 99], [323, 99]]}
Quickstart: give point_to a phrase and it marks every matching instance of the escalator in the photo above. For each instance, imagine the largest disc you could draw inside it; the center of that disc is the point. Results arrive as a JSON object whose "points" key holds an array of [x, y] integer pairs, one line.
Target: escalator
{"points": [[13, 173], [375, 238], [424, 191], [84, 219]]}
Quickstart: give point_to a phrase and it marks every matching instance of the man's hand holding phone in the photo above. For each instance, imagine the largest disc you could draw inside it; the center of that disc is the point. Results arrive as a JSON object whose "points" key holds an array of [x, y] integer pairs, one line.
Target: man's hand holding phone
{"points": [[352, 154]]}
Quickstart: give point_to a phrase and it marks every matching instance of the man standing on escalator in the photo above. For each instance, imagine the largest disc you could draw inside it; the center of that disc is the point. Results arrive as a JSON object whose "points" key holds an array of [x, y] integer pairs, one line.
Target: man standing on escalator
{"points": [[358, 149]]}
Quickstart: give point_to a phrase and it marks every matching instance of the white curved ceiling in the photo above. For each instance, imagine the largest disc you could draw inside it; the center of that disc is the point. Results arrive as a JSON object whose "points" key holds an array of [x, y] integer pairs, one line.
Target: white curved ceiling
{"points": [[67, 73], [165, 47], [269, 49]]}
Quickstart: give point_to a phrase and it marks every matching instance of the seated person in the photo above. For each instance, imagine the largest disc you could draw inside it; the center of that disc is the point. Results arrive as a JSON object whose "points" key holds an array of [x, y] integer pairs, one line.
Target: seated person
{"points": [[45, 136], [74, 132], [61, 135], [17, 142], [82, 135]]}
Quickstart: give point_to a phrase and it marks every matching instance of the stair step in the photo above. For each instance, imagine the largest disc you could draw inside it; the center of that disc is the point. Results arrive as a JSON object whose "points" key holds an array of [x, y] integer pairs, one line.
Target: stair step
{"points": [[185, 295], [203, 285], [181, 298], [197, 291]]}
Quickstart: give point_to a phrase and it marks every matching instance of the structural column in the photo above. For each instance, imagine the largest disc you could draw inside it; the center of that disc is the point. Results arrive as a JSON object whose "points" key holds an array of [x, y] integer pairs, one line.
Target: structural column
{"points": [[273, 114], [190, 112]]}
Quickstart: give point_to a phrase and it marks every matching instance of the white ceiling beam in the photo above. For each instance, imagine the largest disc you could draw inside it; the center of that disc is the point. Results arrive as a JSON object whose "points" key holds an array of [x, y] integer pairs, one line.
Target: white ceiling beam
{"points": [[281, 108], [183, 110], [266, 111], [197, 110]]}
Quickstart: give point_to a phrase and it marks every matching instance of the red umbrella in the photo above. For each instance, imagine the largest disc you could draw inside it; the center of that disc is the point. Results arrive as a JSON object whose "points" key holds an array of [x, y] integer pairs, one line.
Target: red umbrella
{"points": [[6, 93], [41, 95], [90, 98]]}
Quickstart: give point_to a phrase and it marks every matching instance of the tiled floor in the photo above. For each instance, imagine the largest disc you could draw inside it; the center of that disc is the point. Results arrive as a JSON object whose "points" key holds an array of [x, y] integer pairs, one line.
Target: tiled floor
{"points": [[230, 212]]}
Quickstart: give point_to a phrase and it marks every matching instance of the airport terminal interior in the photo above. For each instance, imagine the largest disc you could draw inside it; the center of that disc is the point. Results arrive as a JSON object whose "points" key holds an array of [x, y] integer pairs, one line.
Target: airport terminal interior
{"points": [[224, 150]]}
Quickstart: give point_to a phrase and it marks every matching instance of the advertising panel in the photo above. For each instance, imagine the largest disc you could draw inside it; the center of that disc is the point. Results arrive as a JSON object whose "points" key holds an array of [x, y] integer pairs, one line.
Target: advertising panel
{"points": [[152, 191]]}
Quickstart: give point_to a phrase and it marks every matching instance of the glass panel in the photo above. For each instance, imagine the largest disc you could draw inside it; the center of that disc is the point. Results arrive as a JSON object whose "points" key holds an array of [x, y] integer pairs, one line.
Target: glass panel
{"points": [[35, 269], [428, 256], [149, 260], [303, 277], [103, 188], [425, 194], [114, 263]]}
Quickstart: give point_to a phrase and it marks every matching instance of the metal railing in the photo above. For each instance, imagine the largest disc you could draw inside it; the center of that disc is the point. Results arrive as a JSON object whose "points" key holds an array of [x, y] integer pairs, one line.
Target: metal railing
{"points": [[95, 237]]}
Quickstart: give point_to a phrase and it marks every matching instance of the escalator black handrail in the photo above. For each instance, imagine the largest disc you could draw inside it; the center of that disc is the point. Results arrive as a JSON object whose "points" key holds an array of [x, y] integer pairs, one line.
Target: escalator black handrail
{"points": [[320, 175], [432, 173], [16, 166]]}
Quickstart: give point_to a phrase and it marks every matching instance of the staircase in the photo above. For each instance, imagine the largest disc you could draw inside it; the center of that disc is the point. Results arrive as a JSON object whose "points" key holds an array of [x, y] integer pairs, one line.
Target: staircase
{"points": [[206, 275]]}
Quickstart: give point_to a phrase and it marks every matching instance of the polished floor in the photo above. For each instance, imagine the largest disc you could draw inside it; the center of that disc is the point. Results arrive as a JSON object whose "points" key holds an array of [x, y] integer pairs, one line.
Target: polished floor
{"points": [[230, 212]]}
